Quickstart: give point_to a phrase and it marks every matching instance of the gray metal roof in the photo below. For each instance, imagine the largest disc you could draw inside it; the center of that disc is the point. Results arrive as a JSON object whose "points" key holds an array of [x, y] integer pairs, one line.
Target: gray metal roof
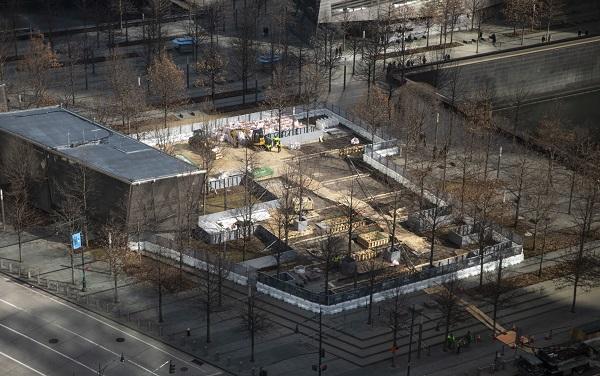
{"points": [[93, 145]]}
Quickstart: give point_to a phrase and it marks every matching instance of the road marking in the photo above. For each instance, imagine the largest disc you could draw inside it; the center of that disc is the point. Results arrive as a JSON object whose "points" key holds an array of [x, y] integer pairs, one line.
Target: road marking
{"points": [[85, 339], [12, 305], [94, 372], [119, 330], [162, 365], [106, 349], [23, 364]]}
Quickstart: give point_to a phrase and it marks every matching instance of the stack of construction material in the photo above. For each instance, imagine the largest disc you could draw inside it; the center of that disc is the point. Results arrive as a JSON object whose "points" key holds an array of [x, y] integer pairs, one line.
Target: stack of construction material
{"points": [[364, 255], [373, 239]]}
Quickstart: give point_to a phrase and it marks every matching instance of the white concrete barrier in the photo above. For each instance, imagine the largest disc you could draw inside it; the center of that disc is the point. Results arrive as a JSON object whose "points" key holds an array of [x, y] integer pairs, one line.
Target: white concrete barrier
{"points": [[383, 295]]}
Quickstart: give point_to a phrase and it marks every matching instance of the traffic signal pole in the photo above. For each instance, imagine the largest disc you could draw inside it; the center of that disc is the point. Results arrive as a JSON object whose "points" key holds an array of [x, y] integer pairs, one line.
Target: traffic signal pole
{"points": [[320, 340]]}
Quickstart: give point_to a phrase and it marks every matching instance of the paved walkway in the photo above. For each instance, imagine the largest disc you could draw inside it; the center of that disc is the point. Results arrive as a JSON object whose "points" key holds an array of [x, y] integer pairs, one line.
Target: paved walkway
{"points": [[350, 344]]}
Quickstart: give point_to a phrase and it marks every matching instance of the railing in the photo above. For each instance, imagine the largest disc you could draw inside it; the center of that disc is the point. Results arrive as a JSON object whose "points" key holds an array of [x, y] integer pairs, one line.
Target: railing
{"points": [[502, 250], [229, 181], [169, 248]]}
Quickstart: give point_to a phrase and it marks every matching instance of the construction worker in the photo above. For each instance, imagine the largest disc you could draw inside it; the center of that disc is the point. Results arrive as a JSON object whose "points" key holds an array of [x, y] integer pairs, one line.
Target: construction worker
{"points": [[277, 142]]}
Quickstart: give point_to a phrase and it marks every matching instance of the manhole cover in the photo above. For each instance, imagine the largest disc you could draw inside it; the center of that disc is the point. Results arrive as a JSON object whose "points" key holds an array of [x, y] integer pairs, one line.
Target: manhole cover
{"points": [[53, 340], [183, 369], [120, 339]]}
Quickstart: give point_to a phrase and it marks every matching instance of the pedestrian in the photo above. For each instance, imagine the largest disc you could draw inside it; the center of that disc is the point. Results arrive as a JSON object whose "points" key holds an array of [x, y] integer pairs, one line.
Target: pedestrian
{"points": [[478, 339], [458, 348], [579, 32], [549, 37], [543, 39]]}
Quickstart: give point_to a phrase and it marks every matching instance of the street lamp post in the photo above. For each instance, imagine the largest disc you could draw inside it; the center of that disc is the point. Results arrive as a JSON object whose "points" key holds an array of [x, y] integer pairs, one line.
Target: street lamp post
{"points": [[410, 340], [2, 207], [83, 283]]}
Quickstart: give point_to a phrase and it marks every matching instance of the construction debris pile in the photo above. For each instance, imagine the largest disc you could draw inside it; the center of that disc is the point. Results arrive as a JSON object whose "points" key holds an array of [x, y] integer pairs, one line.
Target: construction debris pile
{"points": [[241, 132]]}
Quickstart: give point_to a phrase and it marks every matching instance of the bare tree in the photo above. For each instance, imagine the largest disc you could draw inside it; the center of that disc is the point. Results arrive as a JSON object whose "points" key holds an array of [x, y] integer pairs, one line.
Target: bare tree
{"points": [[521, 13], [371, 49], [35, 69], [72, 52], [19, 169], [69, 218], [518, 175], [5, 45], [395, 317], [495, 292], [211, 69], [313, 84], [428, 14], [331, 248], [323, 44], [204, 145], [186, 215], [582, 268], [167, 87], [254, 319], [553, 138], [116, 253], [449, 304], [483, 204], [277, 95], [158, 11], [251, 198], [244, 48], [128, 99], [210, 285], [548, 10], [473, 7], [376, 110], [541, 201], [520, 96]]}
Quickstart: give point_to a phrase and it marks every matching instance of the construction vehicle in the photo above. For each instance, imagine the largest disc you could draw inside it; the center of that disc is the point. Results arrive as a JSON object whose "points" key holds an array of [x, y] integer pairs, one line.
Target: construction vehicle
{"points": [[260, 140]]}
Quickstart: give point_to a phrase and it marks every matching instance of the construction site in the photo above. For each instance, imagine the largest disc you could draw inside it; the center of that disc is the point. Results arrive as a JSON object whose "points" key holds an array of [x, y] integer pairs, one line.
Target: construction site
{"points": [[322, 218]]}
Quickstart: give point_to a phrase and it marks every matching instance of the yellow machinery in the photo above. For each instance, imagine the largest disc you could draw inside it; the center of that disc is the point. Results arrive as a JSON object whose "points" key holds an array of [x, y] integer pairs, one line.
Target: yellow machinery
{"points": [[260, 140]]}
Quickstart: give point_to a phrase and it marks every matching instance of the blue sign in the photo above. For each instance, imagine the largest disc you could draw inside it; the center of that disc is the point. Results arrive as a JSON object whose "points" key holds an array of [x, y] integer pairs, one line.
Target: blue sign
{"points": [[76, 240]]}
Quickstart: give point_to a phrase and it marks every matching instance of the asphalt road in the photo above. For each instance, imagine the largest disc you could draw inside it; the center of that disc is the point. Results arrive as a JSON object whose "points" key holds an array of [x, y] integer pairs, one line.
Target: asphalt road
{"points": [[42, 335]]}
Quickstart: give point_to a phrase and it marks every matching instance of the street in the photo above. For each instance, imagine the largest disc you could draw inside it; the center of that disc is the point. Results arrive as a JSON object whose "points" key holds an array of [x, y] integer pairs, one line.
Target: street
{"points": [[42, 335]]}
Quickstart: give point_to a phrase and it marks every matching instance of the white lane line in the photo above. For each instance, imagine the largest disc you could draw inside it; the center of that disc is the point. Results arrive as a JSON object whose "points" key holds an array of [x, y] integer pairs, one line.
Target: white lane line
{"points": [[162, 365], [94, 372], [120, 331], [106, 349], [22, 364], [12, 305], [84, 338]]}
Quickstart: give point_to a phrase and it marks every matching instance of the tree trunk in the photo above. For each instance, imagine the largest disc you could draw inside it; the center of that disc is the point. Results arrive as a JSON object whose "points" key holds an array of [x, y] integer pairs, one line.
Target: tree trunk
{"points": [[160, 312], [116, 291], [72, 269], [20, 241]]}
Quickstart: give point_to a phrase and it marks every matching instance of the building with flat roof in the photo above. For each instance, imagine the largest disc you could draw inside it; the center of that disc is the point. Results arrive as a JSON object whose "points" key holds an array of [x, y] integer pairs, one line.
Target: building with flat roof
{"points": [[127, 179]]}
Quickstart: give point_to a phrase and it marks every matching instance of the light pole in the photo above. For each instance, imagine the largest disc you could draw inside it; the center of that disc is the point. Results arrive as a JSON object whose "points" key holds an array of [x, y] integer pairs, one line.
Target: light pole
{"points": [[410, 340], [83, 284], [2, 207]]}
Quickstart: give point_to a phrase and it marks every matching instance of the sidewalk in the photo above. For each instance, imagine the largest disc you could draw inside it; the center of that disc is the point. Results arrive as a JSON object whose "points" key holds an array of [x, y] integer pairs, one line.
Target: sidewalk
{"points": [[279, 348]]}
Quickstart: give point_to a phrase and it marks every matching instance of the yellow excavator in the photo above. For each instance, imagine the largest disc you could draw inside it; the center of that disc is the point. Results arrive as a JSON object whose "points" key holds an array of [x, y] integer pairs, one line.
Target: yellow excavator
{"points": [[260, 140]]}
